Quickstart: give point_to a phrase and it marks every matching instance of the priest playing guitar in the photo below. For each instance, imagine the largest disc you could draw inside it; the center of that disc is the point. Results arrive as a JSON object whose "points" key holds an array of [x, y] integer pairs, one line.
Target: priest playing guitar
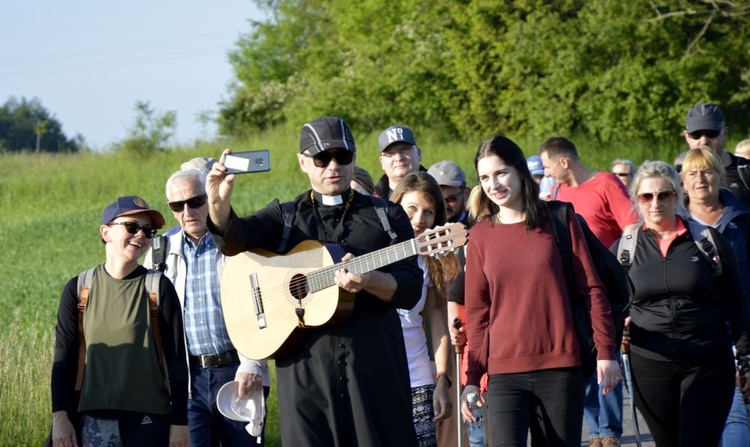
{"points": [[341, 381]]}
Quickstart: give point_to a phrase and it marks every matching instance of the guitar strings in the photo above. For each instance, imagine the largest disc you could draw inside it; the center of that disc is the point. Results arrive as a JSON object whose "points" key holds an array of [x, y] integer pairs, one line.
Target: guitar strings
{"points": [[325, 277]]}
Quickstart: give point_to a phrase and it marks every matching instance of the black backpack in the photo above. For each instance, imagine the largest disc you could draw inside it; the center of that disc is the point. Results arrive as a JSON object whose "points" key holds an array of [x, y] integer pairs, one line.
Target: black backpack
{"points": [[612, 275]]}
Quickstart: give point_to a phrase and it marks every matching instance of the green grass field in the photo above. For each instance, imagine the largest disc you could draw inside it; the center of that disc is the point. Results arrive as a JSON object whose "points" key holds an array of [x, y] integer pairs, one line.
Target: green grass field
{"points": [[51, 207]]}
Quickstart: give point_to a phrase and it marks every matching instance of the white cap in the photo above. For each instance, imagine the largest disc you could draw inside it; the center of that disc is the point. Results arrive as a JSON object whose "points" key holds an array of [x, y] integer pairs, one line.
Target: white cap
{"points": [[471, 397], [251, 409]]}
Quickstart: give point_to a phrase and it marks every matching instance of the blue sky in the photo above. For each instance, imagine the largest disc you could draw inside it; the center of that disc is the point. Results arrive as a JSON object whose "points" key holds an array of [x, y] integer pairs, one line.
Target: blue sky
{"points": [[88, 62]]}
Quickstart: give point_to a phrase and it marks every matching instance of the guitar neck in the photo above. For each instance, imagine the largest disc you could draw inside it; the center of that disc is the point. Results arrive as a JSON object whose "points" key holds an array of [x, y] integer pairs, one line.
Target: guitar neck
{"points": [[325, 277]]}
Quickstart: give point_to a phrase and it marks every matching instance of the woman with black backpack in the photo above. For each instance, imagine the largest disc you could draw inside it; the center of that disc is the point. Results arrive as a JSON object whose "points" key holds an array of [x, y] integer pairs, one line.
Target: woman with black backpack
{"points": [[519, 313]]}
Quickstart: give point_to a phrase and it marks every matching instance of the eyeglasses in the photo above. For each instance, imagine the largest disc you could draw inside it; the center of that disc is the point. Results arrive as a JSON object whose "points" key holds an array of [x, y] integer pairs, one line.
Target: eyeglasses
{"points": [[646, 198], [621, 174], [133, 228], [193, 203], [323, 159], [401, 150], [697, 134]]}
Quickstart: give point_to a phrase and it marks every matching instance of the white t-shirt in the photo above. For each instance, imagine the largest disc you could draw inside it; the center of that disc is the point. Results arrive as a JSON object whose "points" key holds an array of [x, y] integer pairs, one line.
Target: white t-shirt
{"points": [[420, 369]]}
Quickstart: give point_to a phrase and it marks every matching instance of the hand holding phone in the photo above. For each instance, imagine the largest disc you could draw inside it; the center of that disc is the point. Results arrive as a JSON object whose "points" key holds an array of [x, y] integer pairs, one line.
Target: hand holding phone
{"points": [[247, 161]]}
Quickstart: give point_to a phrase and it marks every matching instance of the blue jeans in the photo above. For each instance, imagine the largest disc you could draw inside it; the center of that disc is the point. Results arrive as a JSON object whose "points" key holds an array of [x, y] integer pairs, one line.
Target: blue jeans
{"points": [[736, 430], [208, 427], [603, 412]]}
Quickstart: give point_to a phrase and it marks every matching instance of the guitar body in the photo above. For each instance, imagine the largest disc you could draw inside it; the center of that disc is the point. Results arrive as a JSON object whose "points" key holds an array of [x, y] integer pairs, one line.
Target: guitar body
{"points": [[286, 302], [269, 299]]}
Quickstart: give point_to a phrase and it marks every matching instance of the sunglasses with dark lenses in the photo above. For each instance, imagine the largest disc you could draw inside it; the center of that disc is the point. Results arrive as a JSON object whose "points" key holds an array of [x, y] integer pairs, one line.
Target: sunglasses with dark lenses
{"points": [[696, 135], [193, 202], [322, 159], [647, 197], [134, 227], [622, 174]]}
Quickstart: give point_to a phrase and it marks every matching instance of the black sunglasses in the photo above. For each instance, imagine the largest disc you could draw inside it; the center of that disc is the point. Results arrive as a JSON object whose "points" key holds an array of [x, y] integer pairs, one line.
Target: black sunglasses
{"points": [[193, 202], [322, 159], [648, 197], [697, 134], [621, 174], [133, 228]]}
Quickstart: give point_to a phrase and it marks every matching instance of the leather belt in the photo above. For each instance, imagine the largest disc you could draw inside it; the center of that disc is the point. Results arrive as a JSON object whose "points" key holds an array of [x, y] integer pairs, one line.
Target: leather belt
{"points": [[215, 360]]}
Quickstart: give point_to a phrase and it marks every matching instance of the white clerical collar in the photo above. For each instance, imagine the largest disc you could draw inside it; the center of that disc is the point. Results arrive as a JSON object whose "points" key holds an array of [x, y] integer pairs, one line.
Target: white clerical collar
{"points": [[329, 200]]}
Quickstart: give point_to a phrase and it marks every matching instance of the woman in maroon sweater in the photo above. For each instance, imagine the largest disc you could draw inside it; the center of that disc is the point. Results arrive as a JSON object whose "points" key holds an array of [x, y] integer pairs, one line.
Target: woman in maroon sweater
{"points": [[519, 322]]}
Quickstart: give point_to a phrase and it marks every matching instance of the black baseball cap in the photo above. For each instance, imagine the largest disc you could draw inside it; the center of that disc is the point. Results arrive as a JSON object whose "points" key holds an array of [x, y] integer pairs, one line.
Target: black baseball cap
{"points": [[326, 133], [704, 116]]}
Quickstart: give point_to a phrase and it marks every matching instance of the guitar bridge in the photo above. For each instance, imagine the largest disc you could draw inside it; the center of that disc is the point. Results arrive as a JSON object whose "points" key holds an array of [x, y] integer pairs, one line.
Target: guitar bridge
{"points": [[257, 301]]}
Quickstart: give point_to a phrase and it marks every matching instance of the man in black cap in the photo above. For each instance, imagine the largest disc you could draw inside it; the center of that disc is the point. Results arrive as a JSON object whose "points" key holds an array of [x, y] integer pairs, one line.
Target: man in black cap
{"points": [[399, 156], [706, 126], [348, 384]]}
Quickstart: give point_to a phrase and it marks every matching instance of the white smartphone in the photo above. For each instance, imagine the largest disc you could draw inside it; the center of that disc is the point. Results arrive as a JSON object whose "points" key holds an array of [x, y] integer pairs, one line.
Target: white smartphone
{"points": [[247, 161]]}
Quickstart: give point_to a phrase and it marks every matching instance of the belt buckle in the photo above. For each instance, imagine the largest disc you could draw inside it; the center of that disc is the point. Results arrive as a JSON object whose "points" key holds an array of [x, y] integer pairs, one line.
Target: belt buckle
{"points": [[208, 361]]}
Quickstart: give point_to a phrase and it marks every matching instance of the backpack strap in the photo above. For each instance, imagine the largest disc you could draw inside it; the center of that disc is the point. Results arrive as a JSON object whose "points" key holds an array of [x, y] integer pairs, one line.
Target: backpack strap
{"points": [[288, 210], [159, 247], [744, 175], [626, 249], [383, 218], [153, 278], [555, 191], [704, 239], [84, 285], [561, 229]]}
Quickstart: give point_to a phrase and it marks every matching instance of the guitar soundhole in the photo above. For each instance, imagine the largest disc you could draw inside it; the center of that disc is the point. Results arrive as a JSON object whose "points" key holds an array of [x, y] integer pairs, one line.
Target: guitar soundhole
{"points": [[298, 287]]}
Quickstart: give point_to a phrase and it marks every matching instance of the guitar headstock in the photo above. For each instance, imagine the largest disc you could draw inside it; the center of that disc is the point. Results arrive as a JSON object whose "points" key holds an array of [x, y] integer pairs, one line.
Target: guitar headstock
{"points": [[443, 238]]}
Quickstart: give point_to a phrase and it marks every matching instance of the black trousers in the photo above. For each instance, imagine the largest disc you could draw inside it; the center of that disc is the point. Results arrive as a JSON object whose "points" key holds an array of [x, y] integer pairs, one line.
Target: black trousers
{"points": [[549, 402], [684, 403]]}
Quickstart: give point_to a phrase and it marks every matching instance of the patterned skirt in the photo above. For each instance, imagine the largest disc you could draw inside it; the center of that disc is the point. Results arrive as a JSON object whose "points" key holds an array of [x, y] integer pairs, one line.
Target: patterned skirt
{"points": [[423, 413]]}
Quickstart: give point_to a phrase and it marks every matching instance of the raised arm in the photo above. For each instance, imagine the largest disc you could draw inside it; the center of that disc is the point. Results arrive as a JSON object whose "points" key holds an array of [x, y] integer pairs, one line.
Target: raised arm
{"points": [[219, 186]]}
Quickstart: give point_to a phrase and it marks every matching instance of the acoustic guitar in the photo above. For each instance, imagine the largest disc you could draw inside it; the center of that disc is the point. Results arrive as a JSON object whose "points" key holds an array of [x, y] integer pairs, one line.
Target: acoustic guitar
{"points": [[267, 297]]}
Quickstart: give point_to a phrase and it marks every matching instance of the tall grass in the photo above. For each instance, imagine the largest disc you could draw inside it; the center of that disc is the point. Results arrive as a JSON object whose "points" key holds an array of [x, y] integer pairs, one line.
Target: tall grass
{"points": [[51, 209]]}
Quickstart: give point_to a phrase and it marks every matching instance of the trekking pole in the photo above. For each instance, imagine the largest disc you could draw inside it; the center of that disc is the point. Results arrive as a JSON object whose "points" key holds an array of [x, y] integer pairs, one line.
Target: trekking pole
{"points": [[458, 349], [625, 348]]}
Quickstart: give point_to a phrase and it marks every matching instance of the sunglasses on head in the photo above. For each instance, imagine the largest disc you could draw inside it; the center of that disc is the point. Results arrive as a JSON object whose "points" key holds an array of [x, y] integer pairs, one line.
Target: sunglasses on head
{"points": [[133, 228], [193, 202], [697, 134], [323, 159], [647, 197]]}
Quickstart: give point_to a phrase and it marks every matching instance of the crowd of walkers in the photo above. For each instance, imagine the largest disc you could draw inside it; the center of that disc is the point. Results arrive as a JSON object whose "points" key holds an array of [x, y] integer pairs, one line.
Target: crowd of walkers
{"points": [[141, 353]]}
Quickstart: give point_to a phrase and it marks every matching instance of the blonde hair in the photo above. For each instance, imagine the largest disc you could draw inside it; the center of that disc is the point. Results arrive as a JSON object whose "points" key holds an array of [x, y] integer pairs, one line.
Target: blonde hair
{"points": [[702, 158], [662, 170], [743, 148]]}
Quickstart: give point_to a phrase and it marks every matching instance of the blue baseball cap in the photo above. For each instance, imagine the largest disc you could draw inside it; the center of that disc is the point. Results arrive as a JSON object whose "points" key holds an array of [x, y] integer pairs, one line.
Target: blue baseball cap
{"points": [[535, 165], [128, 205]]}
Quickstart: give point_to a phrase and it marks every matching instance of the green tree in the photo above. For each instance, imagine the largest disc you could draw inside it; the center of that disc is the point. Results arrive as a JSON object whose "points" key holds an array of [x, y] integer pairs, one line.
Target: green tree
{"points": [[28, 125], [151, 130], [607, 68], [373, 63]]}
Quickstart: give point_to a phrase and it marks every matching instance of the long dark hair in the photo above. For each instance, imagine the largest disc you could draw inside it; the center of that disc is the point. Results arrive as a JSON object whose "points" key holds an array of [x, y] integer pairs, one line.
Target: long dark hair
{"points": [[512, 155], [442, 269]]}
